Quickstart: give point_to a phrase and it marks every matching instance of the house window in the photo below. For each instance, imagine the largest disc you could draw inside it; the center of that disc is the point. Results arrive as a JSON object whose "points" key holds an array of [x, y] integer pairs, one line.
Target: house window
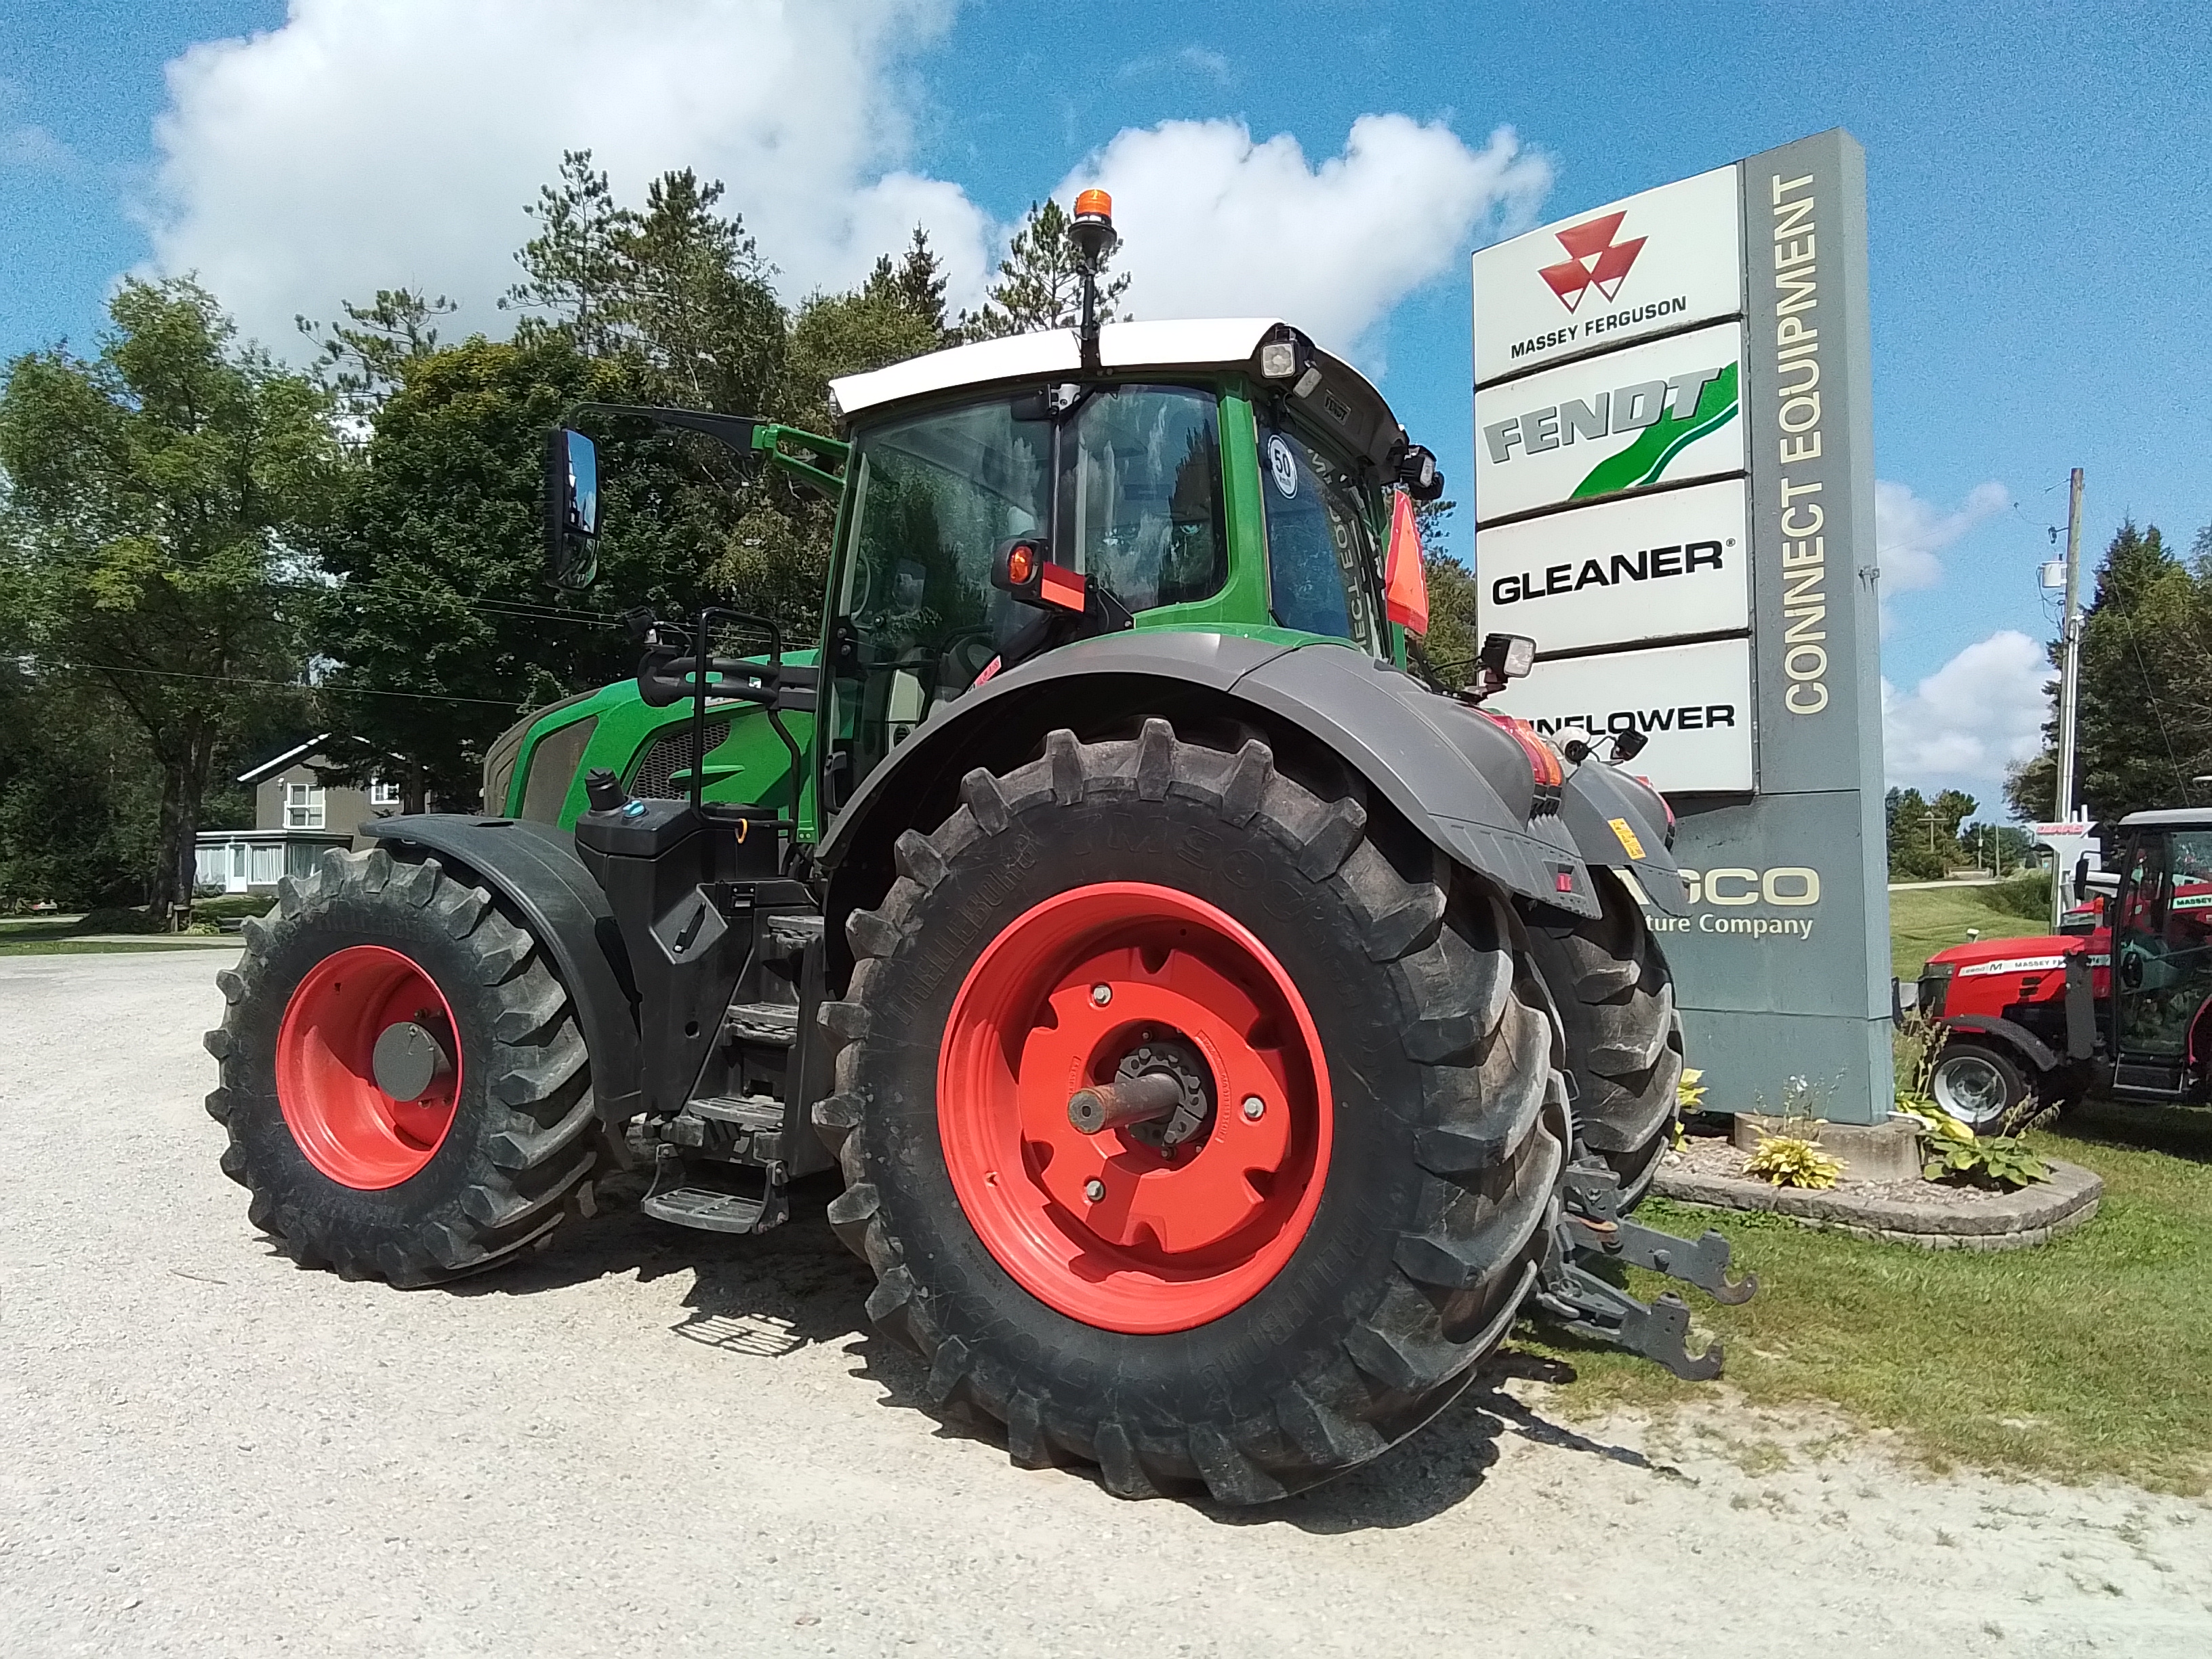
{"points": [[381, 793], [303, 805]]}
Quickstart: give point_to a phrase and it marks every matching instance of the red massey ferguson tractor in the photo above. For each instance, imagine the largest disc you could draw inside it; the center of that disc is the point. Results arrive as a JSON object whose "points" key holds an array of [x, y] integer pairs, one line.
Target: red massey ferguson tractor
{"points": [[1222, 1037], [2124, 1010]]}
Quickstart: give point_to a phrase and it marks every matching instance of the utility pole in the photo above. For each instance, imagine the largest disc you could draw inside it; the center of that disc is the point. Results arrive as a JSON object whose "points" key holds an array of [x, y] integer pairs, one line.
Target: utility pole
{"points": [[2069, 686]]}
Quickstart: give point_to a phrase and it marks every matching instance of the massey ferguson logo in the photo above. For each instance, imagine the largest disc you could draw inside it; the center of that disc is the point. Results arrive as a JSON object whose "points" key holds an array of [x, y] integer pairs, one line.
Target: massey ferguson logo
{"points": [[1595, 260]]}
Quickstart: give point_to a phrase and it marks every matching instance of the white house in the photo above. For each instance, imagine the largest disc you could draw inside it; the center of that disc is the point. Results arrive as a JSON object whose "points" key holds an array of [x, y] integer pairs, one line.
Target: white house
{"points": [[297, 813]]}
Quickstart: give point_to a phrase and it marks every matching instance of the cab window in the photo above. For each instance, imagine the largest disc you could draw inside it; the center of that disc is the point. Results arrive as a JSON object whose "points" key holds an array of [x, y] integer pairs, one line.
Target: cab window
{"points": [[1141, 496], [1135, 473], [1322, 559]]}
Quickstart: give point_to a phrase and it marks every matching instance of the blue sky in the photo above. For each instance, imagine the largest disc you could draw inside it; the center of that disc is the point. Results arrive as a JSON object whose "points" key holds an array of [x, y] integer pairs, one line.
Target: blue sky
{"points": [[2041, 219]]}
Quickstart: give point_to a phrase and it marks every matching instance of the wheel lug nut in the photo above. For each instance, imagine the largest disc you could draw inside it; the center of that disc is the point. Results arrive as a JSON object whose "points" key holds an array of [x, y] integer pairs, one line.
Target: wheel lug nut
{"points": [[1102, 994], [1094, 1189], [1254, 1106]]}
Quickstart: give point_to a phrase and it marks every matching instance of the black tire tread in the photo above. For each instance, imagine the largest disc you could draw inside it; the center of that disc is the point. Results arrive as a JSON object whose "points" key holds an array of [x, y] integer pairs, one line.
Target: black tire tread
{"points": [[1615, 998]]}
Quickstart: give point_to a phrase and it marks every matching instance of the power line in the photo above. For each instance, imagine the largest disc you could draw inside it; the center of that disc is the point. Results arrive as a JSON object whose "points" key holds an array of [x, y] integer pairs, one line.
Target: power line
{"points": [[286, 685]]}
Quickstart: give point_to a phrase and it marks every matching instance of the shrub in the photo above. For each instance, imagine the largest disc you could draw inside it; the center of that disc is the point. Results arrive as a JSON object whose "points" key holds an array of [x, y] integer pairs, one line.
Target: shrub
{"points": [[117, 919], [1792, 1161], [1955, 1153], [2021, 896]]}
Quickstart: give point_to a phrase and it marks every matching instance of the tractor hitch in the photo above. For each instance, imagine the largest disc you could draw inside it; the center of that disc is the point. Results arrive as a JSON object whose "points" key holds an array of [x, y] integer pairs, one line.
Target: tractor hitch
{"points": [[1591, 1229]]}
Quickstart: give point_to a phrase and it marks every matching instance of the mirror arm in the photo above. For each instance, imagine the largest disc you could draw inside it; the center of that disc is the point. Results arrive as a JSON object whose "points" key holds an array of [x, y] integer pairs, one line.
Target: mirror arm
{"points": [[800, 472]]}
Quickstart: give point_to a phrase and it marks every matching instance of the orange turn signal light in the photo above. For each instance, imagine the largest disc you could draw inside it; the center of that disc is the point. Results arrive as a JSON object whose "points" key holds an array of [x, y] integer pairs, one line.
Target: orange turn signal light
{"points": [[1021, 563], [1092, 201]]}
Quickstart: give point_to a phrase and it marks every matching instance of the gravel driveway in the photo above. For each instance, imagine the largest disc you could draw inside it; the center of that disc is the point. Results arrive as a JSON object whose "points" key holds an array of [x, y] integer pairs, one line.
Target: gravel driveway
{"points": [[649, 1442]]}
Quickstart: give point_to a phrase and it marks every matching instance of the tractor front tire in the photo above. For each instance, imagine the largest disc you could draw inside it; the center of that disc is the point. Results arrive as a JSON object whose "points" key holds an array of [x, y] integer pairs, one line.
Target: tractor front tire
{"points": [[483, 1161], [1616, 1001], [1367, 1203]]}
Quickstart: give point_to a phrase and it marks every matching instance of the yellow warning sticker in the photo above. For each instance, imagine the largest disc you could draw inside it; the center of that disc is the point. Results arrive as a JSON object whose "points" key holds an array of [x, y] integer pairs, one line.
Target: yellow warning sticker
{"points": [[1627, 836]]}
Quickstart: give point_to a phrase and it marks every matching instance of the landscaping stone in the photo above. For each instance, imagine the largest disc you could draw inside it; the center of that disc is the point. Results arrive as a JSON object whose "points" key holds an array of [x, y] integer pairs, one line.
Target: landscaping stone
{"points": [[1932, 1215], [1868, 1151]]}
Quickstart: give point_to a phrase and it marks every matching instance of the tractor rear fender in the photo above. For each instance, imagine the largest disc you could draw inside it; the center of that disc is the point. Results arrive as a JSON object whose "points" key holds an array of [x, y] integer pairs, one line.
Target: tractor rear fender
{"points": [[1459, 778], [532, 869], [2007, 1034]]}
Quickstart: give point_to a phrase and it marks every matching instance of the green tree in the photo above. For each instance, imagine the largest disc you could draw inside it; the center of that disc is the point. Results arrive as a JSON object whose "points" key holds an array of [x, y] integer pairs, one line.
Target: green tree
{"points": [[678, 291], [1040, 282], [362, 359], [1446, 652], [1923, 835], [437, 618], [2145, 725], [157, 497]]}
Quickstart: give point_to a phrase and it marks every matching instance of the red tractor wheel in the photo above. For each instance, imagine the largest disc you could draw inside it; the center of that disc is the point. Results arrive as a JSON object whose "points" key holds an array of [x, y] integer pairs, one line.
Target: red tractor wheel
{"points": [[1190, 1133], [1123, 1229], [407, 1093]]}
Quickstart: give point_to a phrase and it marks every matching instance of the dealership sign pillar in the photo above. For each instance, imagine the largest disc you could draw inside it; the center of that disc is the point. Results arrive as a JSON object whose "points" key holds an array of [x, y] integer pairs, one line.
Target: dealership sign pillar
{"points": [[1674, 496]]}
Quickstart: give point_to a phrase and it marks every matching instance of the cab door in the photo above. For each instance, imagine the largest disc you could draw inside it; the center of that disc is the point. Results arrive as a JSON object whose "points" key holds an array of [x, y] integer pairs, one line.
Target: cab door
{"points": [[2162, 962]]}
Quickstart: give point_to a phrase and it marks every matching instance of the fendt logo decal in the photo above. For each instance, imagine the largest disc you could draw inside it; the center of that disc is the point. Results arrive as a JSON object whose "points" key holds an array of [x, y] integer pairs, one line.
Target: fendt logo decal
{"points": [[1595, 260], [1666, 416]]}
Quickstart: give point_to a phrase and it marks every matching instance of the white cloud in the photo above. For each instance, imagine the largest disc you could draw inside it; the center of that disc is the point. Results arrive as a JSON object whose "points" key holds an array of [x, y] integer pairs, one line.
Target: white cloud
{"points": [[362, 146], [359, 147], [24, 145], [1214, 223], [1979, 713], [1910, 533]]}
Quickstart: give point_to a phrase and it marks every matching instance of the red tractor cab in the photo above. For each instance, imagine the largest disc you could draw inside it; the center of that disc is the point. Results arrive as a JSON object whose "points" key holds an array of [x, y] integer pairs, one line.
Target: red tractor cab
{"points": [[2124, 1009]]}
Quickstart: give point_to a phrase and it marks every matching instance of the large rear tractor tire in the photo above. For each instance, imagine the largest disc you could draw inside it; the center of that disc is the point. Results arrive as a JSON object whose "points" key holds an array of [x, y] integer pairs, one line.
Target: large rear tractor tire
{"points": [[1616, 1000], [406, 1091], [1358, 1036]]}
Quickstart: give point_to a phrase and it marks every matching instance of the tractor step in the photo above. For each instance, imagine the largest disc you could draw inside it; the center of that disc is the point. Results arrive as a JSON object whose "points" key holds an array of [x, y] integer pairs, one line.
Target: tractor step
{"points": [[702, 1206], [748, 1111], [762, 1022], [700, 1201]]}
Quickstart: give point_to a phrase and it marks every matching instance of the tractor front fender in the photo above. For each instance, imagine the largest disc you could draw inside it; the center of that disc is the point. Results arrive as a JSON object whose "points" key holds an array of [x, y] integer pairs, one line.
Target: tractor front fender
{"points": [[1460, 778], [2011, 1034], [532, 869]]}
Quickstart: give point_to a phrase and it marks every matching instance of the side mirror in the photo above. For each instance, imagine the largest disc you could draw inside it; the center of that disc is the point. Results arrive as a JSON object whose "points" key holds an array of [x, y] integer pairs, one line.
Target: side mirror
{"points": [[572, 510], [2082, 877]]}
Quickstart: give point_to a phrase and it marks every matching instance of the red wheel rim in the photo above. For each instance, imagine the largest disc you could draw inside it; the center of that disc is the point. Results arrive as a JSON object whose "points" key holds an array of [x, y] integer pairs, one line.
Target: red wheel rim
{"points": [[1176, 1239], [349, 1127]]}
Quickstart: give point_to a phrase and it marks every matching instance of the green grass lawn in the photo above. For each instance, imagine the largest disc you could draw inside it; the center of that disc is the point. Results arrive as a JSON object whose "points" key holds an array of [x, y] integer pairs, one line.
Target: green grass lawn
{"points": [[1924, 920], [2089, 1357], [89, 947]]}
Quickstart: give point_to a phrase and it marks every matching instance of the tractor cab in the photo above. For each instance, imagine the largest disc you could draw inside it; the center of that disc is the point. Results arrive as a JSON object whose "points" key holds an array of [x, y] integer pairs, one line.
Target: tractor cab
{"points": [[2121, 1007], [2158, 1021]]}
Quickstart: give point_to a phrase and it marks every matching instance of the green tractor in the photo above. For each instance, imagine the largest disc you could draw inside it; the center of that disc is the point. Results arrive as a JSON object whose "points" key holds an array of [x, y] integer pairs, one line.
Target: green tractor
{"points": [[1223, 1035]]}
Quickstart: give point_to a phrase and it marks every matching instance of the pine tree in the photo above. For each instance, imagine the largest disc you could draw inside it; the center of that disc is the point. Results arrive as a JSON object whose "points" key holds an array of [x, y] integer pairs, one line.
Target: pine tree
{"points": [[363, 360], [1040, 282], [2144, 731]]}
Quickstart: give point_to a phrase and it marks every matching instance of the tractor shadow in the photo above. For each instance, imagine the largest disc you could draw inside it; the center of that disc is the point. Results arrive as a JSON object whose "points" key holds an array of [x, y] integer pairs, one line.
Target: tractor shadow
{"points": [[761, 1295], [766, 1295], [2177, 1130], [1433, 1471]]}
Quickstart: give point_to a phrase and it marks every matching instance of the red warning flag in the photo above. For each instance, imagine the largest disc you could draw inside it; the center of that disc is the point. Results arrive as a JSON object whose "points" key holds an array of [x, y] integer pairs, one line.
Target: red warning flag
{"points": [[1405, 585]]}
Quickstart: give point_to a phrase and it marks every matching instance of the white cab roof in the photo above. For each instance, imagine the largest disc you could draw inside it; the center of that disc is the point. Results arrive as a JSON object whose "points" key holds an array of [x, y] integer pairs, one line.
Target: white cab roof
{"points": [[1197, 342]]}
